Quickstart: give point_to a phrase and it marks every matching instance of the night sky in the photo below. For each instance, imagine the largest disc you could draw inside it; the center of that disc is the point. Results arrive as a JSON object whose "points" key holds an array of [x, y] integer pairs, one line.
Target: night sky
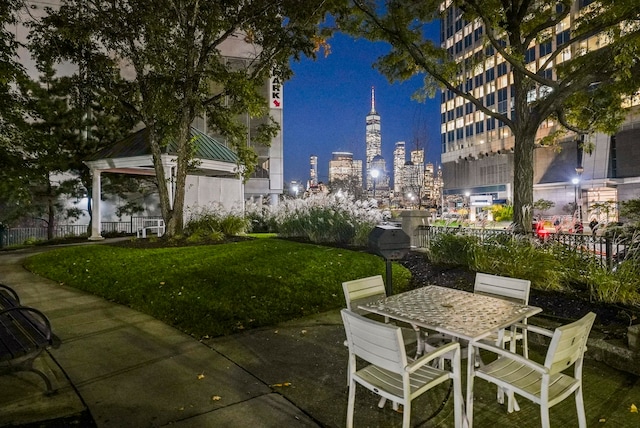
{"points": [[327, 100]]}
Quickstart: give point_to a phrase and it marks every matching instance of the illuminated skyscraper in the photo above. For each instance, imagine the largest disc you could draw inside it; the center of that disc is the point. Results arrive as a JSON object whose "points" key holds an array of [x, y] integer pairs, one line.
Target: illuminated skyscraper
{"points": [[346, 170], [373, 138], [399, 158], [313, 171]]}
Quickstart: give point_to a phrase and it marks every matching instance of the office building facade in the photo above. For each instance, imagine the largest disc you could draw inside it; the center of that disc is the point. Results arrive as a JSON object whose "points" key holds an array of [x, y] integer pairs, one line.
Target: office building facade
{"points": [[477, 150]]}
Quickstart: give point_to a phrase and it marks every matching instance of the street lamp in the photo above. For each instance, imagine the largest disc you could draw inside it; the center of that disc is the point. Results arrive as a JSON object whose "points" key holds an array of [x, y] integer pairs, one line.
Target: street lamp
{"points": [[374, 174], [579, 171], [467, 194], [411, 198], [576, 182]]}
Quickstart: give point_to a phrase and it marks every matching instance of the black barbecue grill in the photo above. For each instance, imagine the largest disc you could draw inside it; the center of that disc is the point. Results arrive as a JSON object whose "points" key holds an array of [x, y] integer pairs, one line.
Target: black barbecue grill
{"points": [[391, 243]]}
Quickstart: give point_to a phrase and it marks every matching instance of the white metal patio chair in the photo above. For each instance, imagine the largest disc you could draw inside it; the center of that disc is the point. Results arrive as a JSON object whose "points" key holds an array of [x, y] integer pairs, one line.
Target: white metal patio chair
{"points": [[512, 289], [544, 384], [365, 290], [389, 373], [362, 291]]}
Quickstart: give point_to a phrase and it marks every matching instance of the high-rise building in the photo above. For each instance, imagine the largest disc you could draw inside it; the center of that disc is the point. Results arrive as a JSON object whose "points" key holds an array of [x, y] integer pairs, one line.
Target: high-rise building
{"points": [[399, 158], [313, 171], [417, 156], [477, 150], [429, 192], [342, 167], [373, 139]]}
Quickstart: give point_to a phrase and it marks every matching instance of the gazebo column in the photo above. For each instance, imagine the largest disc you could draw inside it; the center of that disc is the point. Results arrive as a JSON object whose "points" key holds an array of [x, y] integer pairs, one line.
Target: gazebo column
{"points": [[169, 179], [96, 219]]}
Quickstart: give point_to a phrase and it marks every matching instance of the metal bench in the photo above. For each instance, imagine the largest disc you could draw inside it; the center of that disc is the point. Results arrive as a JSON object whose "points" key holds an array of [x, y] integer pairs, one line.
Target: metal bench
{"points": [[24, 334]]}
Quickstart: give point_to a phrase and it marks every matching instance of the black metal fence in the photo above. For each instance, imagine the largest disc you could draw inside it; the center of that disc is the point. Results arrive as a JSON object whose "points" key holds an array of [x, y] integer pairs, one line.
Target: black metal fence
{"points": [[607, 250], [24, 235]]}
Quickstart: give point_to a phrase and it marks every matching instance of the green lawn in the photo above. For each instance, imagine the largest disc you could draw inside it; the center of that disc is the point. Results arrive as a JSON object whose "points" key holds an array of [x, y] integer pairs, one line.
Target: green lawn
{"points": [[214, 290]]}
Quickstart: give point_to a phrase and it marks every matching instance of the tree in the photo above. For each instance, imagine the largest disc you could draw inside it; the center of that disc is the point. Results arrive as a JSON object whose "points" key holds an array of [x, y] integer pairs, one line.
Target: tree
{"points": [[11, 111], [349, 184], [630, 210], [44, 151], [582, 93], [10, 72], [543, 205], [163, 61], [58, 137], [414, 169], [413, 183], [600, 208]]}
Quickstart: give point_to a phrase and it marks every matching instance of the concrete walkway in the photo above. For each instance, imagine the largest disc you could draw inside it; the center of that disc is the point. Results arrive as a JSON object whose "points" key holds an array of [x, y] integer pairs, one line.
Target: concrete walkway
{"points": [[119, 368]]}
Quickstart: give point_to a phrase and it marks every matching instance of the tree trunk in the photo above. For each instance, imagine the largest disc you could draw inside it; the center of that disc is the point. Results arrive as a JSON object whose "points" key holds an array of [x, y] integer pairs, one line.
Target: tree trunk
{"points": [[526, 120], [523, 182], [87, 182], [163, 193], [50, 210], [175, 224], [172, 211]]}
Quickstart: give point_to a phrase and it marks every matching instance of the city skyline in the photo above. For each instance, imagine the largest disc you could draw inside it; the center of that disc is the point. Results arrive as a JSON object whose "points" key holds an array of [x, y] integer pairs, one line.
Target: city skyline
{"points": [[327, 101]]}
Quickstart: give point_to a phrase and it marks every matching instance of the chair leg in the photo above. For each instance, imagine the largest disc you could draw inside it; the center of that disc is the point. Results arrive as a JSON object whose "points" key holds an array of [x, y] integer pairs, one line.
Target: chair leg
{"points": [[420, 342], [348, 373], [544, 415], [406, 415], [458, 399], [348, 366], [395, 406], [513, 403], [351, 403], [470, 379], [382, 402], [582, 418]]}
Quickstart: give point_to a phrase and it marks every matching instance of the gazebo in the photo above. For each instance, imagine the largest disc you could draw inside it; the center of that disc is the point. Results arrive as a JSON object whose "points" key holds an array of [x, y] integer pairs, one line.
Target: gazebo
{"points": [[215, 178]]}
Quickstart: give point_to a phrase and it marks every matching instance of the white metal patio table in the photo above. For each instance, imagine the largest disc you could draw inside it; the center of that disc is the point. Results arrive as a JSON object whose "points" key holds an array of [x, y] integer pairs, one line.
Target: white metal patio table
{"points": [[457, 313]]}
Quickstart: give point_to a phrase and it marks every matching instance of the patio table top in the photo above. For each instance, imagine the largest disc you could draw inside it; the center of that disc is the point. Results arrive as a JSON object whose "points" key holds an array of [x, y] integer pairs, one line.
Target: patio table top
{"points": [[458, 313]]}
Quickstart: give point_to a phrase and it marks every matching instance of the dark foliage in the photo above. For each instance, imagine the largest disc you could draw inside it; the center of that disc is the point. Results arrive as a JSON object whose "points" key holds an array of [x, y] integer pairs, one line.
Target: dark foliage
{"points": [[612, 320]]}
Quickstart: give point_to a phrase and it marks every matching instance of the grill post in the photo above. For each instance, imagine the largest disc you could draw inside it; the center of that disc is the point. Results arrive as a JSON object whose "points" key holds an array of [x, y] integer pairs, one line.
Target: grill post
{"points": [[392, 243]]}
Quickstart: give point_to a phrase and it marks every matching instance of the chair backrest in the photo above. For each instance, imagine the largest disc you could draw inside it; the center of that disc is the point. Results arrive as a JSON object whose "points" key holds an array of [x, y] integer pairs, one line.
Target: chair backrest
{"points": [[568, 344], [375, 342], [513, 289], [362, 291]]}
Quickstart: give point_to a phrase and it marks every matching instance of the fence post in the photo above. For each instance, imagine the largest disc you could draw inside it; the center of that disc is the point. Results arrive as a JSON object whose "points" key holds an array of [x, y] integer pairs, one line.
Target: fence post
{"points": [[608, 246]]}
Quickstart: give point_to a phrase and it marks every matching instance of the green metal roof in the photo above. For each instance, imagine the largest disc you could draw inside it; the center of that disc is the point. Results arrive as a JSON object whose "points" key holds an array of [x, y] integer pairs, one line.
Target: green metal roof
{"points": [[137, 144]]}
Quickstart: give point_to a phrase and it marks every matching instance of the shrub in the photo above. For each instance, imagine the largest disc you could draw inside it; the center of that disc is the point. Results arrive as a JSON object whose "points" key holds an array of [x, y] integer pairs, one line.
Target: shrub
{"points": [[622, 284], [502, 212], [334, 218], [453, 249], [518, 256], [506, 255], [260, 218], [204, 221], [215, 236], [619, 286]]}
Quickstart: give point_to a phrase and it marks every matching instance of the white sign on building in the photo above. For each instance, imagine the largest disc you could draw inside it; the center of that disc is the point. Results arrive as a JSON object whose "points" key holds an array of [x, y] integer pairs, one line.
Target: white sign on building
{"points": [[275, 92], [481, 200]]}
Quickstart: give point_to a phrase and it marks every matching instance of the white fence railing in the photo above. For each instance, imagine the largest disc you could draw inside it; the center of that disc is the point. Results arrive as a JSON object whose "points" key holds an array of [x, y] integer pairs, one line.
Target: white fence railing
{"points": [[21, 235]]}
